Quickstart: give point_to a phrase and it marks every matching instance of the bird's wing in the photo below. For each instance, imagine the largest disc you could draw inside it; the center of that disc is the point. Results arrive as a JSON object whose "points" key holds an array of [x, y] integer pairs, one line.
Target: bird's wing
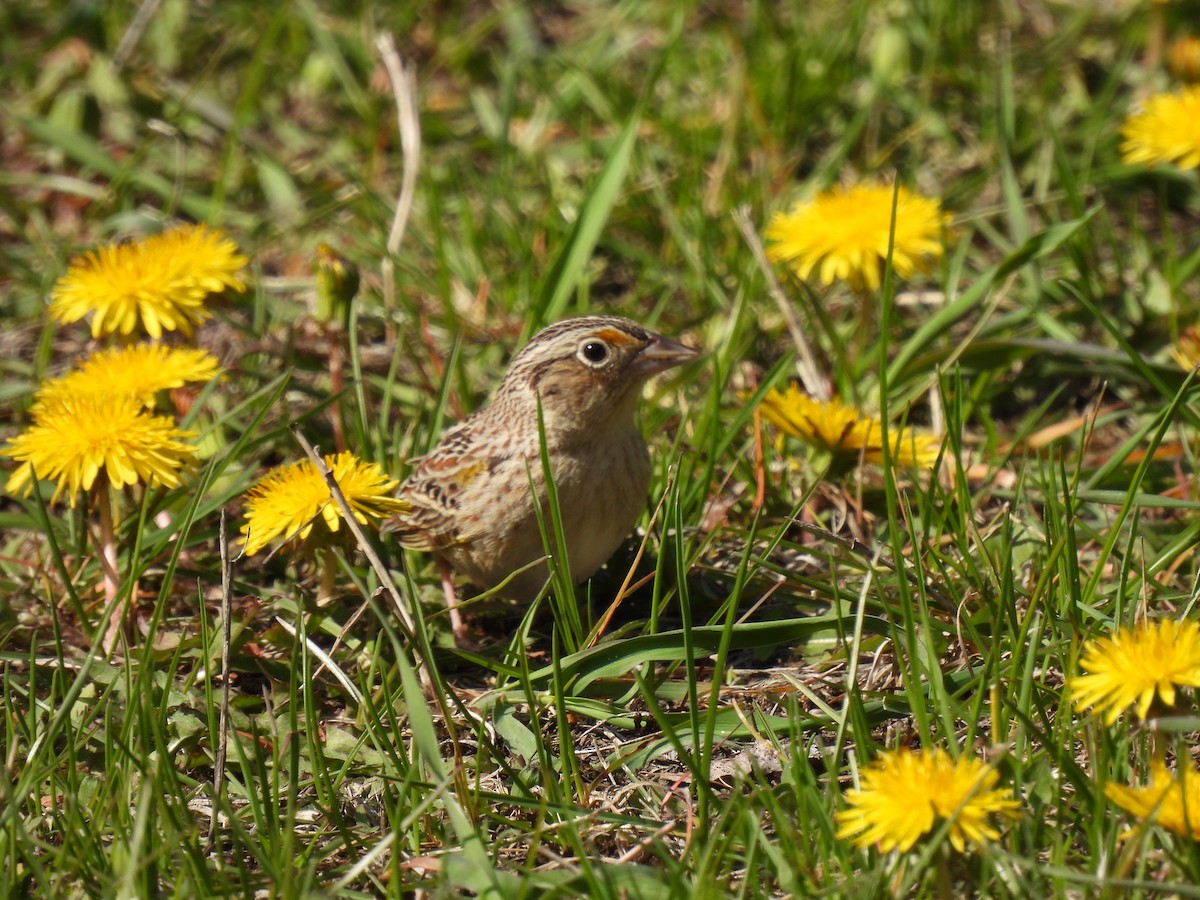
{"points": [[435, 488]]}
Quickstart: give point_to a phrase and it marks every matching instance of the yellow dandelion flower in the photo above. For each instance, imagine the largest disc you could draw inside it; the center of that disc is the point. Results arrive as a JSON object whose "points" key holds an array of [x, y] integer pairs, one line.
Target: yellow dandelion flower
{"points": [[903, 793], [141, 371], [1186, 351], [289, 500], [1166, 130], [1172, 801], [75, 438], [833, 427], [158, 284], [843, 234], [1135, 665]]}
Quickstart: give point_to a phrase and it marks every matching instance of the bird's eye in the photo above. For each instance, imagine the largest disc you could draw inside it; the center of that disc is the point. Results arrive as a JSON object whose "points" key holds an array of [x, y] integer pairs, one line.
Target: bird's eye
{"points": [[593, 352]]}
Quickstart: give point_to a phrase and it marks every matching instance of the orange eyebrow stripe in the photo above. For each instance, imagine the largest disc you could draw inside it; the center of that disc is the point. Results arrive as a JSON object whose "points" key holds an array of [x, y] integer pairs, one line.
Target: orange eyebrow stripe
{"points": [[613, 336]]}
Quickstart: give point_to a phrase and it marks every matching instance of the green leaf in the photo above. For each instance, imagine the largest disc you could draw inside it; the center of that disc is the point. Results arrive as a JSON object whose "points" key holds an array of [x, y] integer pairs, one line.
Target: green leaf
{"points": [[619, 657]]}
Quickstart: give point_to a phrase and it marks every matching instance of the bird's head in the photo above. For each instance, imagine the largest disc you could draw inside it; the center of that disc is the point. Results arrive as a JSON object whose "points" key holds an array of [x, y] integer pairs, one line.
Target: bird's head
{"points": [[588, 373]]}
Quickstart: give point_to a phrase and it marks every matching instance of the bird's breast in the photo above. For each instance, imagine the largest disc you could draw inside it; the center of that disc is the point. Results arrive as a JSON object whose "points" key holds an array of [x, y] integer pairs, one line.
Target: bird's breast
{"points": [[601, 489], [601, 493]]}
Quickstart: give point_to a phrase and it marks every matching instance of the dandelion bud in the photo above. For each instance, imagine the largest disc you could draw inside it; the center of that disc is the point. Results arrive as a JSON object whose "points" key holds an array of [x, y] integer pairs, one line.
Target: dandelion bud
{"points": [[337, 285]]}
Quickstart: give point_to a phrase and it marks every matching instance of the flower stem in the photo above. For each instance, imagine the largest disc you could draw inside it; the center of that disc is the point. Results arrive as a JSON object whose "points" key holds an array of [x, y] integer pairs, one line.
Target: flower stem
{"points": [[943, 886], [866, 321], [108, 565], [337, 358], [327, 573]]}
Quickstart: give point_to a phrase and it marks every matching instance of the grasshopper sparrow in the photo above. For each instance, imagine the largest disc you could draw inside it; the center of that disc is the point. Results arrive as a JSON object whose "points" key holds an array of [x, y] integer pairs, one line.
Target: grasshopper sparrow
{"points": [[471, 498]]}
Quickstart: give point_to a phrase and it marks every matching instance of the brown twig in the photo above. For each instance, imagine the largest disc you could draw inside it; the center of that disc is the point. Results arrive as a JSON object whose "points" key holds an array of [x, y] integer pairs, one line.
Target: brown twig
{"points": [[760, 466], [355, 529], [133, 34], [381, 572], [403, 80]]}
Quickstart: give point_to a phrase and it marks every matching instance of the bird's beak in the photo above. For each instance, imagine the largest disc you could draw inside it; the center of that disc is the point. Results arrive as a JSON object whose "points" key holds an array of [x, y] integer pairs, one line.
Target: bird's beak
{"points": [[662, 354]]}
